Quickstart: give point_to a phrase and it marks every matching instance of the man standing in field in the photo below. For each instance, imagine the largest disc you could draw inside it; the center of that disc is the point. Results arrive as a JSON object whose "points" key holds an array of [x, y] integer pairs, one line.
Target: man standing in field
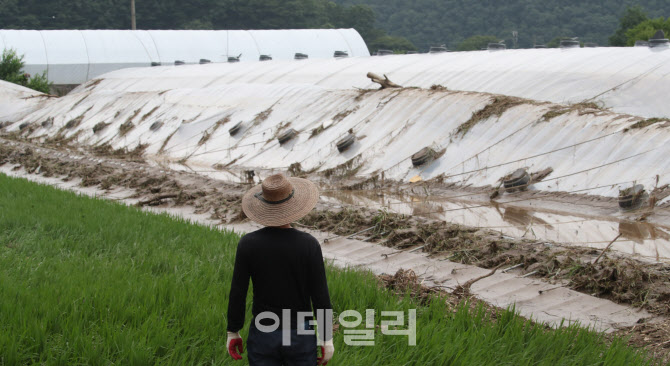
{"points": [[288, 276]]}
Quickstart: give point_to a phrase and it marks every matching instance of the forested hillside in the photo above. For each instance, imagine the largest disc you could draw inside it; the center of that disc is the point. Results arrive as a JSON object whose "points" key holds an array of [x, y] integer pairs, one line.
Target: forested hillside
{"points": [[423, 22], [195, 14], [434, 22]]}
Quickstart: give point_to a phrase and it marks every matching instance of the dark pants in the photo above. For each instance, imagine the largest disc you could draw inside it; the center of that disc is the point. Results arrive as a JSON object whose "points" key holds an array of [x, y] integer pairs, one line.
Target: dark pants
{"points": [[266, 349]]}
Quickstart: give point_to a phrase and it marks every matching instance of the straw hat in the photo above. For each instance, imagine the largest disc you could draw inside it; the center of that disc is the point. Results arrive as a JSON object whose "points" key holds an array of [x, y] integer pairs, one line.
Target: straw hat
{"points": [[279, 200]]}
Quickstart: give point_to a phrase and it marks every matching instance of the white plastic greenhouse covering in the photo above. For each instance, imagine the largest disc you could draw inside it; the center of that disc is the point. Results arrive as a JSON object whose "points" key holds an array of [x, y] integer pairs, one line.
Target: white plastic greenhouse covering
{"points": [[17, 101], [626, 80], [73, 56], [184, 113]]}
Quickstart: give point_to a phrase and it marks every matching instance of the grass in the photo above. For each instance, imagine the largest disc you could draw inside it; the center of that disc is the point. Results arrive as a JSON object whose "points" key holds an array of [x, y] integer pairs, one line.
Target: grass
{"points": [[85, 281]]}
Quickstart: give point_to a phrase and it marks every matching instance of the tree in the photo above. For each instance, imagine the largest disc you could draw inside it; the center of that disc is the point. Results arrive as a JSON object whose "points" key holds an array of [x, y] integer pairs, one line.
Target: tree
{"points": [[11, 70], [476, 42], [631, 18], [646, 29], [395, 44]]}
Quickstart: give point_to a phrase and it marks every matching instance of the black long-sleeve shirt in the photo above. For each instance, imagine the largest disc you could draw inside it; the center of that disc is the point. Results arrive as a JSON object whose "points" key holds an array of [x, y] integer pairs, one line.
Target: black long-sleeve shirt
{"points": [[287, 272]]}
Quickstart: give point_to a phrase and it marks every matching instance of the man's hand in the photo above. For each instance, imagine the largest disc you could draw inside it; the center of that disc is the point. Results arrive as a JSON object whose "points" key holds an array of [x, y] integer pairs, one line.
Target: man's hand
{"points": [[235, 345], [327, 351]]}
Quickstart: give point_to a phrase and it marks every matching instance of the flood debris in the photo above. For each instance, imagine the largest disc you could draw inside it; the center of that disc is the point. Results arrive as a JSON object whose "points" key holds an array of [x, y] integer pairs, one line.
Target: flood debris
{"points": [[48, 122], [344, 170], [648, 122], [157, 199], [362, 93], [125, 128], [344, 114], [210, 131], [614, 277], [607, 248], [262, 116], [384, 82], [166, 141], [250, 174], [152, 185], [539, 175], [653, 336], [100, 126], [148, 114], [107, 150], [499, 105], [581, 108], [93, 83], [317, 131], [128, 125], [406, 283], [463, 290], [74, 122]]}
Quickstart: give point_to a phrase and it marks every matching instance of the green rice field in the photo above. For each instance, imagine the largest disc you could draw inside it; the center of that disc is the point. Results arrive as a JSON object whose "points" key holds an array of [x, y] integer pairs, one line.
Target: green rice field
{"points": [[90, 282]]}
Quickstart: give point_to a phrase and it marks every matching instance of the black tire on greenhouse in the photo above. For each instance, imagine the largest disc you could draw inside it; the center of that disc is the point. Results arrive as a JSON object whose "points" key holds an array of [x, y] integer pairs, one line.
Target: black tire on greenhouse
{"points": [[156, 126], [631, 198], [48, 123], [346, 142], [423, 156], [286, 136], [235, 129], [519, 179]]}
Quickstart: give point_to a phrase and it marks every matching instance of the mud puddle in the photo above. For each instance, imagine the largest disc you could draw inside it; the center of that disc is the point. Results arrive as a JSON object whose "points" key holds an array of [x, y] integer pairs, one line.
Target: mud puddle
{"points": [[642, 240]]}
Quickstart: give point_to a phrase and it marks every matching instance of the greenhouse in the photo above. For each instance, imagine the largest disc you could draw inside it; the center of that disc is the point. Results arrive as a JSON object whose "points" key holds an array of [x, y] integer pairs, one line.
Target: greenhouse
{"points": [[71, 57]]}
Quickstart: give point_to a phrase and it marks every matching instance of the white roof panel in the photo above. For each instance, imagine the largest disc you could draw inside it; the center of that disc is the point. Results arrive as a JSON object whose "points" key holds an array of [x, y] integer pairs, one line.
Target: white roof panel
{"points": [[111, 50], [241, 42], [73, 56], [189, 46], [29, 44], [67, 56]]}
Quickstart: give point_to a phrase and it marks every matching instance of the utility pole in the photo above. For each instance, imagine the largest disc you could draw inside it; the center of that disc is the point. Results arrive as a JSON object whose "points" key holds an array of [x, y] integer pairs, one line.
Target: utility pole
{"points": [[133, 24]]}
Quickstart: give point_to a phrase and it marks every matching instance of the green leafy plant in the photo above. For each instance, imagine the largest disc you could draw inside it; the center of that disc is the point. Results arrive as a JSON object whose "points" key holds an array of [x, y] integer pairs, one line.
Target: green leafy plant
{"points": [[11, 70], [646, 29], [632, 17], [477, 42]]}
